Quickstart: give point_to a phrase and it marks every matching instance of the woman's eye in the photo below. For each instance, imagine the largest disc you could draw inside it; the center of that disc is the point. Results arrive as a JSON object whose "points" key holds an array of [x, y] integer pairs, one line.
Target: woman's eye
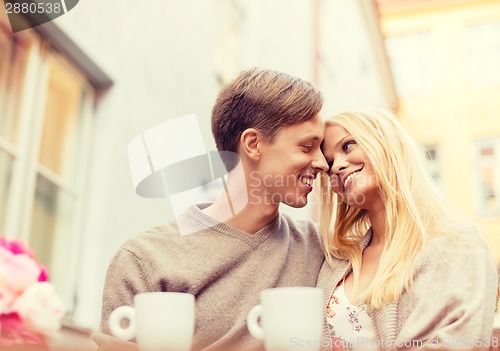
{"points": [[307, 147], [348, 145]]}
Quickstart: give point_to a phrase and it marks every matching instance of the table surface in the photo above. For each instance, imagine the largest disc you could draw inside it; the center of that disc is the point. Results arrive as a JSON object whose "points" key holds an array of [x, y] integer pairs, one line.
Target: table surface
{"points": [[74, 339]]}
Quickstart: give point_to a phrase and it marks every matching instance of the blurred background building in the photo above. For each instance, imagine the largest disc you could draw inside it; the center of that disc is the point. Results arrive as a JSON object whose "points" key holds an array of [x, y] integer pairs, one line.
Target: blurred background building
{"points": [[445, 59], [74, 92]]}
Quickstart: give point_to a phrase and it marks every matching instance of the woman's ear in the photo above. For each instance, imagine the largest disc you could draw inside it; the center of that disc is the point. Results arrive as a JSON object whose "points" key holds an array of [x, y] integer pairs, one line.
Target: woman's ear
{"points": [[251, 143]]}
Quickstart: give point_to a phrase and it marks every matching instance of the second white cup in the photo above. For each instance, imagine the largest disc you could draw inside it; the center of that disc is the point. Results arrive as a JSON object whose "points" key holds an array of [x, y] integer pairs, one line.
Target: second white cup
{"points": [[290, 319]]}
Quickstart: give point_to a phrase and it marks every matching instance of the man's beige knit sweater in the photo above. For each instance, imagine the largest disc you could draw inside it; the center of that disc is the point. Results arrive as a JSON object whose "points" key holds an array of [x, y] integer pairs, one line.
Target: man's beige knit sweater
{"points": [[224, 268]]}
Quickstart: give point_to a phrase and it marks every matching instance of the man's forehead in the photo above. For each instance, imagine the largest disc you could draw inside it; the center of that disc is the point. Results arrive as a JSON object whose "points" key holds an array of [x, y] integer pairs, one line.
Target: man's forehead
{"points": [[308, 130]]}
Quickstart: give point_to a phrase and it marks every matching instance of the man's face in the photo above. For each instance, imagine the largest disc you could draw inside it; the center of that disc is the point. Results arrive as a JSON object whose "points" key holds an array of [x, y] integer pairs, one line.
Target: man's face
{"points": [[289, 164]]}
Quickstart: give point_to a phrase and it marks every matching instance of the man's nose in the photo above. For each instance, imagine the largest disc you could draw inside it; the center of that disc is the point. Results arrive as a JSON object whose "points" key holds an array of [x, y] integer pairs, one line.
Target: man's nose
{"points": [[319, 162]]}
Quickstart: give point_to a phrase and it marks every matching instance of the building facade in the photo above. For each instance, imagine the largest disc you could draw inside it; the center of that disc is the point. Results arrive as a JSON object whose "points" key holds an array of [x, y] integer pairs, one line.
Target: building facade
{"points": [[445, 58]]}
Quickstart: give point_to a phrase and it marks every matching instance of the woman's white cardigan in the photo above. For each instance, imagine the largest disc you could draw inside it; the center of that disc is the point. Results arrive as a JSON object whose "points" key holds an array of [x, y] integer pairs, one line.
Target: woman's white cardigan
{"points": [[451, 304]]}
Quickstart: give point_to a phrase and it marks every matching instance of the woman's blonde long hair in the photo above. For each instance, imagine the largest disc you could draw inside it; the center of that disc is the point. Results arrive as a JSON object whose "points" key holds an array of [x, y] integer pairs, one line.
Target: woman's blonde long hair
{"points": [[414, 207]]}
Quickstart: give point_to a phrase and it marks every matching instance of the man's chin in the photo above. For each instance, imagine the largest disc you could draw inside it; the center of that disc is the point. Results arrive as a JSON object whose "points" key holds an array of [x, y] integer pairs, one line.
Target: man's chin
{"points": [[297, 204]]}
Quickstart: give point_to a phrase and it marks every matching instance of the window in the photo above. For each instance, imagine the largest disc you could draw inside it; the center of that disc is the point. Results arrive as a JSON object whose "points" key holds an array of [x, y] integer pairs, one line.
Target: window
{"points": [[488, 179], [13, 58], [59, 183], [412, 63], [45, 128], [483, 41], [433, 164], [227, 53]]}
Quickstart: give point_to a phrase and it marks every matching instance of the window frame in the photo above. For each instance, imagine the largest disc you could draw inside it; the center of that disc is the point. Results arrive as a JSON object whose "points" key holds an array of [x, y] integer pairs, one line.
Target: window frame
{"points": [[488, 49], [406, 88], [481, 163], [48, 41], [434, 165]]}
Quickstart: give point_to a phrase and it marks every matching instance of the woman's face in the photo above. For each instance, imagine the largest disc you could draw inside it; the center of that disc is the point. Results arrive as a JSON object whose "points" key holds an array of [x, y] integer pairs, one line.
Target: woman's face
{"points": [[351, 174]]}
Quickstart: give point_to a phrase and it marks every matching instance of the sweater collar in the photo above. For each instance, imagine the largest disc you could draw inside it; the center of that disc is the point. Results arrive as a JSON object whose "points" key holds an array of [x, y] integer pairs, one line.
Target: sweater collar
{"points": [[203, 221], [366, 239]]}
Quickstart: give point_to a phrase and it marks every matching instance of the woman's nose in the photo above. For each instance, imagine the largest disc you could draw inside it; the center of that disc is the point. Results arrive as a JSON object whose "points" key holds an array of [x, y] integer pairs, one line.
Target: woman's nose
{"points": [[339, 165]]}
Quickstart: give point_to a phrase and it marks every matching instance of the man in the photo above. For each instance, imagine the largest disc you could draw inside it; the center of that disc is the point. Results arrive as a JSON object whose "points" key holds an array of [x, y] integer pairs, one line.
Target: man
{"points": [[240, 244]]}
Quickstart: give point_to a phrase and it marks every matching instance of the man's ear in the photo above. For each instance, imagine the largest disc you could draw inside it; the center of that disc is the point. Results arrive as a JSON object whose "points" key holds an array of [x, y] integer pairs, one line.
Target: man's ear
{"points": [[251, 142]]}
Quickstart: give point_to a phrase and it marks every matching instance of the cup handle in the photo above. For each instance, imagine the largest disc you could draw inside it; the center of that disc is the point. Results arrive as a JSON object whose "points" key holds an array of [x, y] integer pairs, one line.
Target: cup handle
{"points": [[115, 319], [252, 322]]}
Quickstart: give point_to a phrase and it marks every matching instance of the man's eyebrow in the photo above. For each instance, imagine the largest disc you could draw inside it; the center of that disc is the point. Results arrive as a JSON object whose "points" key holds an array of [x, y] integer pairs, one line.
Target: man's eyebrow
{"points": [[313, 137]]}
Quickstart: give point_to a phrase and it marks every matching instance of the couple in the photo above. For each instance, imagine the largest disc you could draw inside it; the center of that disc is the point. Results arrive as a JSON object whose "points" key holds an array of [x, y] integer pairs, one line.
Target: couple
{"points": [[395, 261]]}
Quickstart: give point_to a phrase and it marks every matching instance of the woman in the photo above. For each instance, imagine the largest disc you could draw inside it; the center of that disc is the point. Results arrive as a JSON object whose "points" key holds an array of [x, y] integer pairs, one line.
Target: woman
{"points": [[403, 268]]}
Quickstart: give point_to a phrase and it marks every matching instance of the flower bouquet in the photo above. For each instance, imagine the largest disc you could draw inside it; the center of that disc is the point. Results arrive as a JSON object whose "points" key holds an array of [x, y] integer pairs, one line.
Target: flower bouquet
{"points": [[30, 310]]}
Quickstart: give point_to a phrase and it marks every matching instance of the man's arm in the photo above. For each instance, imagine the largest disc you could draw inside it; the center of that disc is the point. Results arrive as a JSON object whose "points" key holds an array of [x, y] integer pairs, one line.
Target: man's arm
{"points": [[125, 278]]}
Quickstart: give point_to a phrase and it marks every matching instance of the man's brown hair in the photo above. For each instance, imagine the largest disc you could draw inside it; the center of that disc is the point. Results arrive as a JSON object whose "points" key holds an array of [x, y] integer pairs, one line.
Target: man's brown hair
{"points": [[262, 99]]}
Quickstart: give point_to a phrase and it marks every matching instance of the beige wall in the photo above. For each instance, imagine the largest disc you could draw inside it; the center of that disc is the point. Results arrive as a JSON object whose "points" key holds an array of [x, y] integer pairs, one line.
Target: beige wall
{"points": [[455, 114]]}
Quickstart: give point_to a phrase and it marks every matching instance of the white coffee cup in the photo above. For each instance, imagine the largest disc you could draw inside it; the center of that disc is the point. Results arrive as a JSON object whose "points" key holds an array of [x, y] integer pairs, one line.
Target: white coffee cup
{"points": [[291, 318], [159, 321]]}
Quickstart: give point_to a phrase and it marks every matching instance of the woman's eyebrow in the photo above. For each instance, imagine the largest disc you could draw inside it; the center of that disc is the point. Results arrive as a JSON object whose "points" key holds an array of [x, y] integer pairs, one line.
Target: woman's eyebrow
{"points": [[341, 141]]}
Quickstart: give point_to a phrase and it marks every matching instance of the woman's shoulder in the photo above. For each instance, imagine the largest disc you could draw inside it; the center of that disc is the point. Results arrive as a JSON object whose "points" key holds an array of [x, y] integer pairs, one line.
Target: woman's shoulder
{"points": [[458, 247], [457, 238]]}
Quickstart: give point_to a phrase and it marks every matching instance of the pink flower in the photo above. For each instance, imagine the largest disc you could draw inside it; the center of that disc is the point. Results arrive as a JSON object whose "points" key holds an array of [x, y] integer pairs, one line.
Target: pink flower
{"points": [[17, 272], [30, 310], [41, 309], [13, 331], [16, 247], [44, 274]]}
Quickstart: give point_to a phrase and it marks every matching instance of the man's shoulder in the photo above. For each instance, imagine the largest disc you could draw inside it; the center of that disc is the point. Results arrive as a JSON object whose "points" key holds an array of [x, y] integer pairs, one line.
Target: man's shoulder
{"points": [[174, 230], [153, 237]]}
